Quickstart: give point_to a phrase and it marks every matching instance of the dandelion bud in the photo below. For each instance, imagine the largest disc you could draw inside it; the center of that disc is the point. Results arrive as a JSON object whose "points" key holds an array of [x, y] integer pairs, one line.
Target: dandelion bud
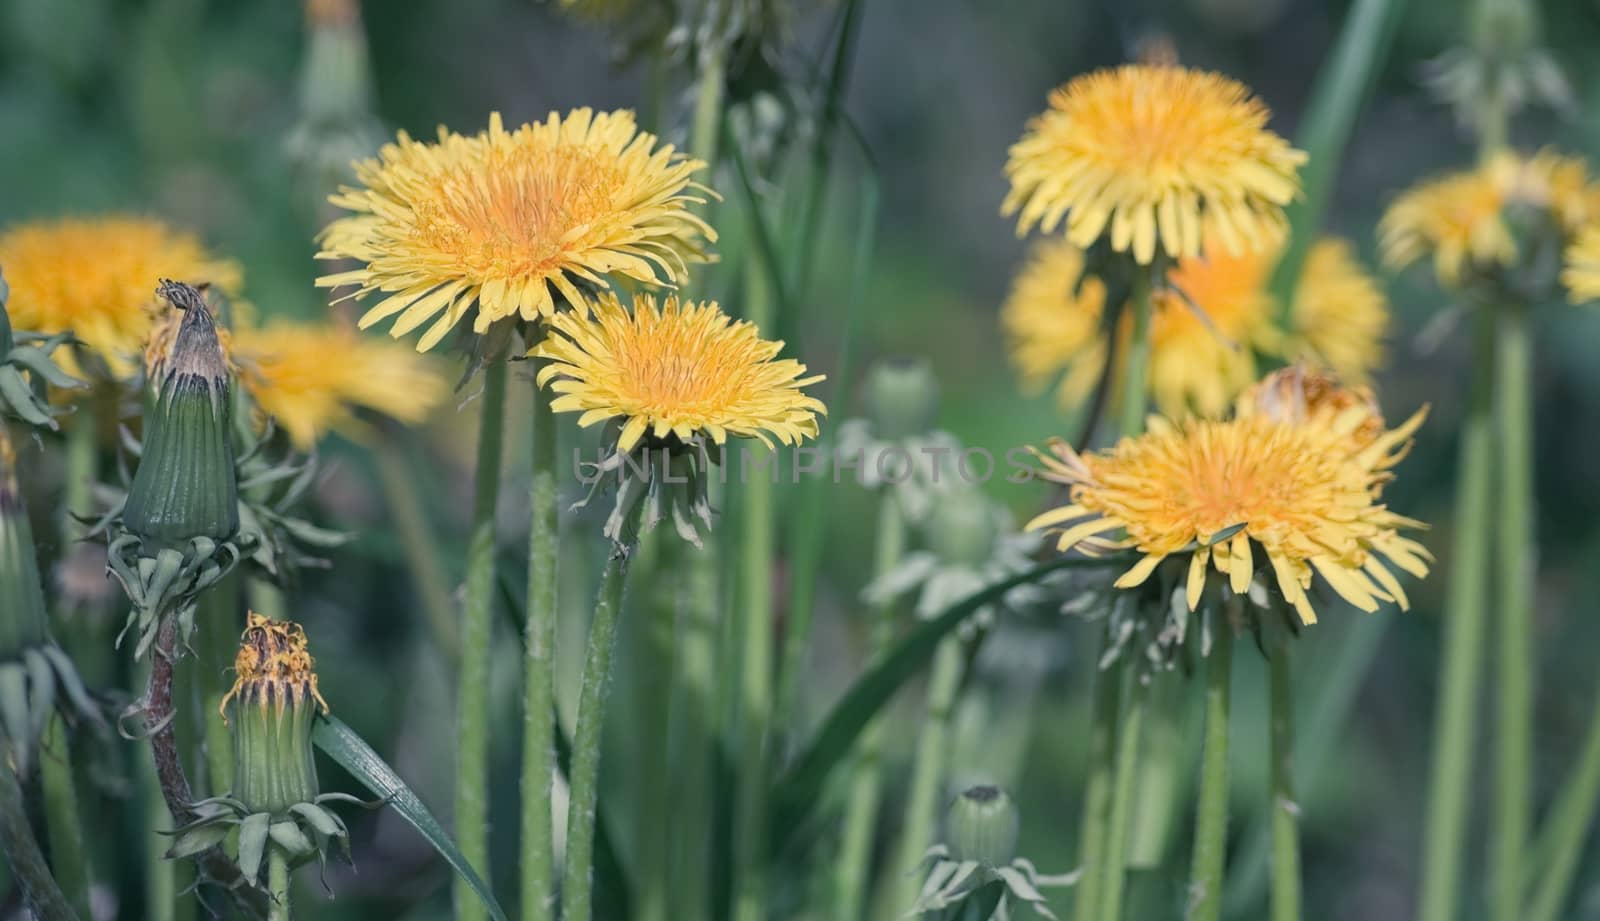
{"points": [[962, 527], [274, 703], [35, 675], [981, 826], [902, 397], [185, 487]]}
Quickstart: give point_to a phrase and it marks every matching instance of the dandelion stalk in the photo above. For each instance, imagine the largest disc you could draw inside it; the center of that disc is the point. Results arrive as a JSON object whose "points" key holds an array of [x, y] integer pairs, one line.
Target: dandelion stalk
{"points": [[219, 611], [1211, 817], [1455, 717], [1285, 809], [861, 814], [472, 730], [755, 697], [23, 856], [584, 780], [68, 856], [1570, 822], [277, 884], [653, 673], [928, 772], [692, 729], [1129, 734], [1106, 737], [538, 849], [1513, 411], [707, 105]]}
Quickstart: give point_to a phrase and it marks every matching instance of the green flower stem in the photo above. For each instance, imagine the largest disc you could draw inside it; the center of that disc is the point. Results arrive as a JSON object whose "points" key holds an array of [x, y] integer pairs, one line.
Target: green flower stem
{"points": [[538, 849], [23, 857], [1285, 809], [277, 884], [472, 698], [861, 815], [1514, 560], [578, 883], [1211, 818], [652, 680], [219, 644], [1456, 714], [707, 106], [1164, 769], [1571, 820], [1130, 731], [82, 452], [1106, 735], [68, 856], [160, 874], [417, 542], [268, 600], [928, 771], [1106, 706], [692, 731], [756, 685]]}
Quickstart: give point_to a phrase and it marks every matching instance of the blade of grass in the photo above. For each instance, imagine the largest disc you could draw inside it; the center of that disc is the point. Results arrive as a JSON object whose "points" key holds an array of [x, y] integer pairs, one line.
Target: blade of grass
{"points": [[351, 752]]}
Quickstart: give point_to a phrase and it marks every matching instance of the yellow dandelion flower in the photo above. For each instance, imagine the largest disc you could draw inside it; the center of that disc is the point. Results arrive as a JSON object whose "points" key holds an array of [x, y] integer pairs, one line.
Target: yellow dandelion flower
{"points": [[1200, 363], [1052, 324], [1302, 499], [1154, 155], [513, 220], [1340, 315], [1582, 273], [97, 277], [680, 369], [313, 378], [1460, 218]]}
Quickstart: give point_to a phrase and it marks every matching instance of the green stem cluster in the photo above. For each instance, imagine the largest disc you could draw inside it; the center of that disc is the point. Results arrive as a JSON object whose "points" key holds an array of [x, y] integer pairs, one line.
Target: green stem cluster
{"points": [[1211, 816], [472, 701]]}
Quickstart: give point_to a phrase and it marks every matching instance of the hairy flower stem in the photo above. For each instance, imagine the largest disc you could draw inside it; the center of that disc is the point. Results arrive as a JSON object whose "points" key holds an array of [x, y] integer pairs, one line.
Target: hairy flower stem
{"points": [[1455, 718], [1129, 734], [577, 887], [1570, 822], [1285, 809], [538, 850], [277, 884], [1513, 803], [928, 770], [1211, 816], [68, 856], [23, 857], [652, 678], [693, 733], [472, 698], [1106, 733], [420, 547], [756, 685], [861, 815]]}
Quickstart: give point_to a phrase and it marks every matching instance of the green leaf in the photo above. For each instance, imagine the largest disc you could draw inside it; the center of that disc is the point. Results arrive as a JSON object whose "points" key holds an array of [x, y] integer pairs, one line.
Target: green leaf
{"points": [[799, 790], [354, 755], [1341, 88]]}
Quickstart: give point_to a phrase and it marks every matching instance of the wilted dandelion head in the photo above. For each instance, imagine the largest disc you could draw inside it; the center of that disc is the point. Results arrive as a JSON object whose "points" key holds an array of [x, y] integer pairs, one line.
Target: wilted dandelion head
{"points": [[514, 221], [274, 667], [1154, 157], [1301, 496], [313, 378], [1581, 277], [1468, 221], [1214, 315], [96, 278], [681, 369]]}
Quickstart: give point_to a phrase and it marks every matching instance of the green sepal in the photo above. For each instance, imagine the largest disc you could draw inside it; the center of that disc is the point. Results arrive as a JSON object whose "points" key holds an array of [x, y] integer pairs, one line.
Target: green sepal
{"points": [[253, 844], [200, 839]]}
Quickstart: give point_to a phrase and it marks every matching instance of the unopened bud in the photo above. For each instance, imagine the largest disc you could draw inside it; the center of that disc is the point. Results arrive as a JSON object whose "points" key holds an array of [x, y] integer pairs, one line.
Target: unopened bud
{"points": [[185, 486], [902, 397], [982, 827], [274, 703], [961, 527]]}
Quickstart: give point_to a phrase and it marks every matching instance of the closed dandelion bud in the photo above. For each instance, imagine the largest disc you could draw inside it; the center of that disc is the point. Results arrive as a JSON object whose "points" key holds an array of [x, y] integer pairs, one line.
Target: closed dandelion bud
{"points": [[902, 397], [962, 527], [35, 675], [981, 826], [185, 487], [271, 709]]}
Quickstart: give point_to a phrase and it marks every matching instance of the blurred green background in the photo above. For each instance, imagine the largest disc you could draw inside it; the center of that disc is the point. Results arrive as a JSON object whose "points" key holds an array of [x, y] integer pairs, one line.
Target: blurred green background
{"points": [[181, 108]]}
